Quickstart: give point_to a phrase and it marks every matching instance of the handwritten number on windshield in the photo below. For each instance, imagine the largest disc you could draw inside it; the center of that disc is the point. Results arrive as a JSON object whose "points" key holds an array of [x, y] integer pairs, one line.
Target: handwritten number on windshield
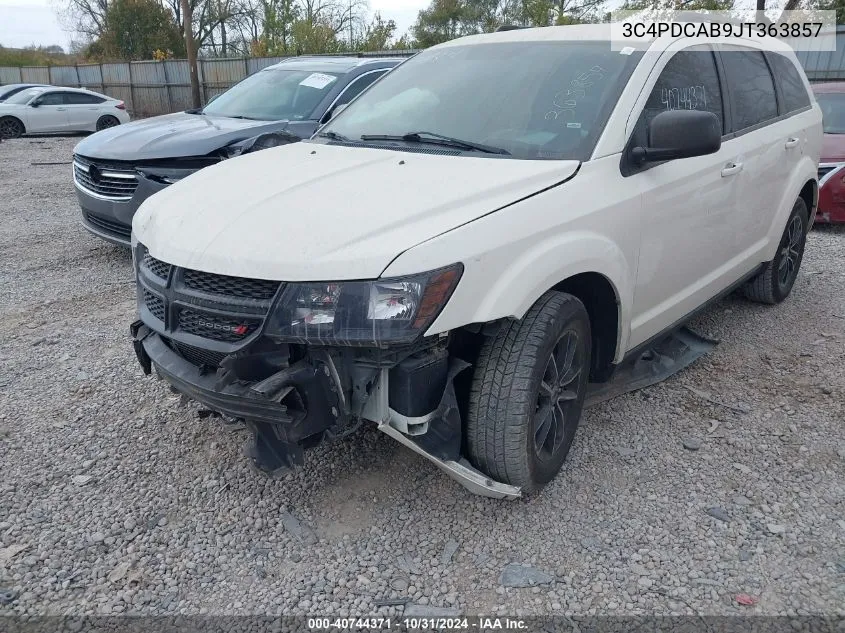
{"points": [[565, 102]]}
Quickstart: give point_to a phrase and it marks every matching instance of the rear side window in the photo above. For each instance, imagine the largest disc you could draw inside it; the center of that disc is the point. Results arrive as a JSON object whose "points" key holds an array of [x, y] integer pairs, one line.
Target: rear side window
{"points": [[792, 88], [689, 81], [77, 98], [751, 86]]}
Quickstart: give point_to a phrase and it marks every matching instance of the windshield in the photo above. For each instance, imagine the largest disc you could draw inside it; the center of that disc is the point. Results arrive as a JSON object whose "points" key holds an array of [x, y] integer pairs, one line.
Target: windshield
{"points": [[833, 112], [534, 100], [274, 95], [24, 95]]}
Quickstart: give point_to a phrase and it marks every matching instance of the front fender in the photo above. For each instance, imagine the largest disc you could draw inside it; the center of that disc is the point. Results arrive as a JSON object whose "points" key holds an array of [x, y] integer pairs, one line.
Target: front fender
{"points": [[504, 283]]}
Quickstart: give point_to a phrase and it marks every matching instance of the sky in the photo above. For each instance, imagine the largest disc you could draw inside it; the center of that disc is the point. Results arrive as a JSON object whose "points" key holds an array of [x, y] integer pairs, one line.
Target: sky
{"points": [[25, 22]]}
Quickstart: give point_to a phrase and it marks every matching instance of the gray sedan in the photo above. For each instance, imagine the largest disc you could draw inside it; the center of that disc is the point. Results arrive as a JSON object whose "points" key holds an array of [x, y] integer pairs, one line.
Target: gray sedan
{"points": [[117, 169]]}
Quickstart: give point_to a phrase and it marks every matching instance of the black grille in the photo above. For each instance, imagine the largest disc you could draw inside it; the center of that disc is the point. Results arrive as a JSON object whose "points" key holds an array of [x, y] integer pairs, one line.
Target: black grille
{"points": [[195, 355], [825, 170], [105, 180], [154, 304], [111, 227], [156, 266], [216, 327], [211, 283]]}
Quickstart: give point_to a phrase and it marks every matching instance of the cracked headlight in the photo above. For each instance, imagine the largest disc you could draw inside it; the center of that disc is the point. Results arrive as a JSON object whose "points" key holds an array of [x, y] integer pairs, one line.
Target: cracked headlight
{"points": [[362, 312], [257, 143]]}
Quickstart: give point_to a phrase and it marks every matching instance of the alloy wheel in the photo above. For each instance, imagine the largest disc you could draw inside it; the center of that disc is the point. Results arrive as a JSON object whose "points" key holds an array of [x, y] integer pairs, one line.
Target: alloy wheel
{"points": [[558, 393], [107, 122], [790, 251], [10, 128]]}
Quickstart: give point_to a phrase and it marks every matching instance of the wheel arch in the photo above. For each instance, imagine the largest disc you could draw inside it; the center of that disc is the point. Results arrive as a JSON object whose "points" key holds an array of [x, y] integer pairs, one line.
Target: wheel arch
{"points": [[802, 184], [503, 285], [810, 194], [601, 299]]}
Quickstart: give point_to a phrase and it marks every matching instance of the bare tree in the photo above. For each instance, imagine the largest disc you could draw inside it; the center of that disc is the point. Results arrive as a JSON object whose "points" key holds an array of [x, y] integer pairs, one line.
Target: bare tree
{"points": [[191, 50]]}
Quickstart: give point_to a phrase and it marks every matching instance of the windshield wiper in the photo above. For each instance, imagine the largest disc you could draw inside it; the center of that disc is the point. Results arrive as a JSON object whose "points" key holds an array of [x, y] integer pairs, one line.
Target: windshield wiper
{"points": [[433, 138], [335, 136]]}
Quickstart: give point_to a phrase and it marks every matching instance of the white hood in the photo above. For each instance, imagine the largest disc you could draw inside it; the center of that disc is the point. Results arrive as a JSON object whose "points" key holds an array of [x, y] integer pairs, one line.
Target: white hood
{"points": [[311, 212]]}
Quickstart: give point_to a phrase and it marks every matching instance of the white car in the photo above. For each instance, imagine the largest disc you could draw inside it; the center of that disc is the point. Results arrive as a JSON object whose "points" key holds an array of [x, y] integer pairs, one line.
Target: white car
{"points": [[48, 109], [496, 222]]}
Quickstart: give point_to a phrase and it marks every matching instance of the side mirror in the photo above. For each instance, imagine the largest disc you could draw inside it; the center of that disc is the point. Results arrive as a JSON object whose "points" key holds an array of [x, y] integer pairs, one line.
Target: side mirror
{"points": [[680, 134], [34, 104]]}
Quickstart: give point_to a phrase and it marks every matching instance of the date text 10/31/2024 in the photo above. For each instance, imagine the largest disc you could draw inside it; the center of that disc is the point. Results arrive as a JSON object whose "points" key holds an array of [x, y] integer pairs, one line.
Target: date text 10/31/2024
{"points": [[418, 624]]}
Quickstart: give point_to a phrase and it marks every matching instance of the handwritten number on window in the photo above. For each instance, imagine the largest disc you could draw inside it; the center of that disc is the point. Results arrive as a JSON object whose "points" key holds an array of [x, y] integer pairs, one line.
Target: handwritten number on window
{"points": [[684, 98], [566, 101]]}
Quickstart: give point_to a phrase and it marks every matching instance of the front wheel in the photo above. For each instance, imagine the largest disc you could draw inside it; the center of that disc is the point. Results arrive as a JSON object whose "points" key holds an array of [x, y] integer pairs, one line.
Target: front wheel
{"points": [[10, 127], [105, 122], [774, 282], [528, 391]]}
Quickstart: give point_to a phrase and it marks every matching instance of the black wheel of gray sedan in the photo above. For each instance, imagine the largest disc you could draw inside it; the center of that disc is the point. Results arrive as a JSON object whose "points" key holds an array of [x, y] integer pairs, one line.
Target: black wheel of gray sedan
{"points": [[105, 122], [774, 283], [527, 393], [10, 127]]}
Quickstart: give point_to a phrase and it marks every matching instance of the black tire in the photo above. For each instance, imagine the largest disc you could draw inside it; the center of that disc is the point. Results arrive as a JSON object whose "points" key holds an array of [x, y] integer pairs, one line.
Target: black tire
{"points": [[774, 282], [105, 122], [511, 418], [11, 127]]}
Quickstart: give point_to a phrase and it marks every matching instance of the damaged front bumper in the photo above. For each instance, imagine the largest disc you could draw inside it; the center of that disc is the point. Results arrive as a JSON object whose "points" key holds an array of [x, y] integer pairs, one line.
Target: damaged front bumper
{"points": [[299, 405]]}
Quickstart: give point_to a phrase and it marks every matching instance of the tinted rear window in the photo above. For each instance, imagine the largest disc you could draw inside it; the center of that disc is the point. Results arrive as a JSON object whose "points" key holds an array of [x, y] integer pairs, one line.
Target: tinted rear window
{"points": [[752, 88], [792, 88]]}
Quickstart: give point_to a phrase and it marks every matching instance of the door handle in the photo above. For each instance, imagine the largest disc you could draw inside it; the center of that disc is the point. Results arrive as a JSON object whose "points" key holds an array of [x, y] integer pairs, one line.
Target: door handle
{"points": [[60, 109], [731, 169], [790, 143]]}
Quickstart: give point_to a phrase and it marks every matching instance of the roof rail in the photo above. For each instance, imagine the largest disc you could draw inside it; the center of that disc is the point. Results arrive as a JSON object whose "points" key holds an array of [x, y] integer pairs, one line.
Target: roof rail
{"points": [[510, 27]]}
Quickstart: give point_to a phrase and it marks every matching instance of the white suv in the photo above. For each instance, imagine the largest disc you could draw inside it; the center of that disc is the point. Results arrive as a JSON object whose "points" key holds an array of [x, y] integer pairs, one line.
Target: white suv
{"points": [[496, 222]]}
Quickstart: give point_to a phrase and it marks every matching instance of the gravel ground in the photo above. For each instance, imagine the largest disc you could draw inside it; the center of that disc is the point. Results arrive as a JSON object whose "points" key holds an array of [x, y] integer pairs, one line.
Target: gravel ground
{"points": [[115, 497]]}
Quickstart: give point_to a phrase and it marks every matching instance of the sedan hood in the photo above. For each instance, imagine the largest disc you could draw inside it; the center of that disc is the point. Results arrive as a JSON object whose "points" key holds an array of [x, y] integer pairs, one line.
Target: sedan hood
{"points": [[310, 212], [171, 136], [833, 148]]}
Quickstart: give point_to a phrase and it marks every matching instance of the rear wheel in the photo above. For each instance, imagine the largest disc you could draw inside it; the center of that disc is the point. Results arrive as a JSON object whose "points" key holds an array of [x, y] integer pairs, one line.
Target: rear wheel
{"points": [[107, 121], [527, 393], [10, 127], [774, 283]]}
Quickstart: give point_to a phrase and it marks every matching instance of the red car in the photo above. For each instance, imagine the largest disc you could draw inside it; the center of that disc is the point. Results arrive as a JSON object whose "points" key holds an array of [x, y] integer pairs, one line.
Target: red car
{"points": [[831, 98]]}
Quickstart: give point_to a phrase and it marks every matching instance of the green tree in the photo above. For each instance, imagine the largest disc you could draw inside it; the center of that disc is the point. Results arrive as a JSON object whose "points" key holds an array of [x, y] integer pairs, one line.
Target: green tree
{"points": [[442, 21], [308, 38], [835, 5], [279, 18], [135, 29], [377, 34], [678, 5]]}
